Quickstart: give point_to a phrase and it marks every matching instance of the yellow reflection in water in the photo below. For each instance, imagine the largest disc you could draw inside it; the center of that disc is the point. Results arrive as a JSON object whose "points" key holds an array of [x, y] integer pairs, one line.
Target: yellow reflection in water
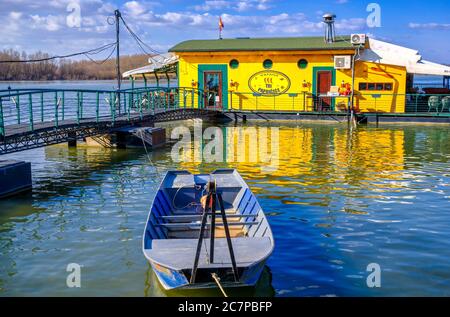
{"points": [[305, 156]]}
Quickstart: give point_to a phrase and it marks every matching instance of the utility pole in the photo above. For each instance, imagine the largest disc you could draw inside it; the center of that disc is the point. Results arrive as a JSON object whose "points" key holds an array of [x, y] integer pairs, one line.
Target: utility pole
{"points": [[119, 75]]}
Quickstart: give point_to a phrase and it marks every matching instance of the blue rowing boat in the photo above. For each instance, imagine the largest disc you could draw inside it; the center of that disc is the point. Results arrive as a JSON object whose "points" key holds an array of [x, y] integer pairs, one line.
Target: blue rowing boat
{"points": [[206, 228]]}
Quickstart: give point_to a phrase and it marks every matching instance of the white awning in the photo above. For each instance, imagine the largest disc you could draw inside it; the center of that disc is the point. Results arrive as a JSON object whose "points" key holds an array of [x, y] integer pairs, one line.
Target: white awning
{"points": [[391, 54], [429, 68], [156, 63]]}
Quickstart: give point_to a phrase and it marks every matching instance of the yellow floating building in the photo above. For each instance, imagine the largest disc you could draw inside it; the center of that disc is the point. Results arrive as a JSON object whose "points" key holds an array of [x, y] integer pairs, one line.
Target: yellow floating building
{"points": [[299, 74], [286, 74]]}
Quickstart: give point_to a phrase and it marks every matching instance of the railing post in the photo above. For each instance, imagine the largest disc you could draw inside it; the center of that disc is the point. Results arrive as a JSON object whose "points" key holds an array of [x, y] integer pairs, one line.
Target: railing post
{"points": [[18, 108], [231, 100], [153, 102], [97, 106], [81, 105], [113, 105], [140, 106], [130, 102], [42, 107], [130, 106], [56, 108], [124, 102], [78, 107], [165, 100], [62, 105], [417, 97], [2, 122], [112, 108], [30, 109]]}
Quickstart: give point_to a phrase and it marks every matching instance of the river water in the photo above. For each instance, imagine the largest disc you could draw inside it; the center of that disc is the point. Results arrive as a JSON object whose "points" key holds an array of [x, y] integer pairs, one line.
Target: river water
{"points": [[337, 201]]}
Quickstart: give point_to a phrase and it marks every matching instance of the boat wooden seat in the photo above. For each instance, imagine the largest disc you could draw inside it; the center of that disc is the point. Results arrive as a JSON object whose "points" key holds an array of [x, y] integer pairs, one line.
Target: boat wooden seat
{"points": [[199, 216], [235, 232], [185, 230], [197, 212], [197, 225], [179, 254]]}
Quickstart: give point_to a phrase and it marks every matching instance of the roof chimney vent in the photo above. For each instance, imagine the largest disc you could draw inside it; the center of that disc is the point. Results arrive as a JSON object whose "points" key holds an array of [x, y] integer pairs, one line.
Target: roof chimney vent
{"points": [[330, 33]]}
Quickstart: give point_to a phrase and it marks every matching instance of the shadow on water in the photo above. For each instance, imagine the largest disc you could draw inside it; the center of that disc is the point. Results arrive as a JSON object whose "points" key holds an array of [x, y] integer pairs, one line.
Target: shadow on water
{"points": [[262, 289], [71, 170]]}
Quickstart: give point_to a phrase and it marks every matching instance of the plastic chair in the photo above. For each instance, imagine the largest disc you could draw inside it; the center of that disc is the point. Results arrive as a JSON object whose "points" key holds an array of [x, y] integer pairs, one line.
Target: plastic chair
{"points": [[434, 103], [446, 104]]}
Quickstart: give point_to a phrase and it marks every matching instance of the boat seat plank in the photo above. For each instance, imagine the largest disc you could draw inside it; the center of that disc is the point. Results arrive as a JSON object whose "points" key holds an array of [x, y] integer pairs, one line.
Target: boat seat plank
{"points": [[235, 232], [197, 225], [199, 216], [182, 212], [179, 254]]}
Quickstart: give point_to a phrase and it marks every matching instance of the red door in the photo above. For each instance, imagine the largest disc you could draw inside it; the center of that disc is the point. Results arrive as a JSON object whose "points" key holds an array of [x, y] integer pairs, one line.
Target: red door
{"points": [[213, 89], [324, 79]]}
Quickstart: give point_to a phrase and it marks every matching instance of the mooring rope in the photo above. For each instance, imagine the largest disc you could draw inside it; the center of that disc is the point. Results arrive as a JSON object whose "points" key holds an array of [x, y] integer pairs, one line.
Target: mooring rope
{"points": [[217, 280], [142, 137]]}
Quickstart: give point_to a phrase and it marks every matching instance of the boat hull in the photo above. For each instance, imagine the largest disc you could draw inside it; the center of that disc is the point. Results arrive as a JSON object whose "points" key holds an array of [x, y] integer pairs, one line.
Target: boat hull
{"points": [[170, 241], [172, 279]]}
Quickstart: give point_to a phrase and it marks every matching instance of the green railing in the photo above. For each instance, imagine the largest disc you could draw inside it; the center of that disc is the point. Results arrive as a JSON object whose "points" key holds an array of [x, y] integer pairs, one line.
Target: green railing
{"points": [[30, 109], [362, 102], [287, 102]]}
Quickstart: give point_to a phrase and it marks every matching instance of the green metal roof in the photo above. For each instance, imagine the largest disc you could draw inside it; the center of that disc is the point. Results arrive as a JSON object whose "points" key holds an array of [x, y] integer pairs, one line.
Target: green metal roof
{"points": [[263, 44]]}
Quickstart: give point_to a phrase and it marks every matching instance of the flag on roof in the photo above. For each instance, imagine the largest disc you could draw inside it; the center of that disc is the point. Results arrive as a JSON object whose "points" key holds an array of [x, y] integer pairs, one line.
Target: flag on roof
{"points": [[221, 25]]}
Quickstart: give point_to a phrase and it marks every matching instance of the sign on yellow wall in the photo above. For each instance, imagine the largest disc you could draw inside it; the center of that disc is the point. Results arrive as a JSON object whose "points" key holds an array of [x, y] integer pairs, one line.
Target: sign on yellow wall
{"points": [[269, 83]]}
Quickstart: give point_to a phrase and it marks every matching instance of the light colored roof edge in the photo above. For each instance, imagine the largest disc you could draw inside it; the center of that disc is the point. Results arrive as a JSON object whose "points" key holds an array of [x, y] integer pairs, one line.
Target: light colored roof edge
{"points": [[428, 68], [156, 63], [390, 54]]}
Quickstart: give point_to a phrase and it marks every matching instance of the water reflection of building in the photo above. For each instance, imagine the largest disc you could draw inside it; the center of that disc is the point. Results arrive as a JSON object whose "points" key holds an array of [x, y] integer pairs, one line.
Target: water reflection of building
{"points": [[312, 155]]}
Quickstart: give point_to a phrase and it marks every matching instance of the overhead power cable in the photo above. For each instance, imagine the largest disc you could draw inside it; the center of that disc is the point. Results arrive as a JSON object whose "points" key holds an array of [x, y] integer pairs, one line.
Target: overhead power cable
{"points": [[86, 53], [140, 42], [104, 60]]}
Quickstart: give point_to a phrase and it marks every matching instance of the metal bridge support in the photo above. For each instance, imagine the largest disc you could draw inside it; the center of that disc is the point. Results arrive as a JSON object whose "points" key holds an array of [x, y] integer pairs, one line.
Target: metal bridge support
{"points": [[72, 136]]}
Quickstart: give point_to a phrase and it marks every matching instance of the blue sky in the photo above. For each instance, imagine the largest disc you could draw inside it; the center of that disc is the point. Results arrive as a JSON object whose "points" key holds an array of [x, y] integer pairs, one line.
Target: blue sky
{"points": [[32, 25]]}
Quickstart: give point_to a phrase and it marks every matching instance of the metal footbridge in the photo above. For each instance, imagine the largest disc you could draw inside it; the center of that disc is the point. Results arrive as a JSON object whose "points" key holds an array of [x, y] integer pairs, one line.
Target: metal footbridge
{"points": [[32, 118]]}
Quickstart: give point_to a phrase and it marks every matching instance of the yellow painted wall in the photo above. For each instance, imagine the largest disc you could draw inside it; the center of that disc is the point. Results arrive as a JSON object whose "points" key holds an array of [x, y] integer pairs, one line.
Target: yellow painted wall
{"points": [[242, 97], [390, 101]]}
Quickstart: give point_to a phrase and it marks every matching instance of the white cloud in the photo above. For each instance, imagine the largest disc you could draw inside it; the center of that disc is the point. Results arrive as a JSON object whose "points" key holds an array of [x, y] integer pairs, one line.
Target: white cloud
{"points": [[263, 5], [211, 5], [243, 6], [14, 15], [50, 22], [353, 24], [134, 8], [236, 5]]}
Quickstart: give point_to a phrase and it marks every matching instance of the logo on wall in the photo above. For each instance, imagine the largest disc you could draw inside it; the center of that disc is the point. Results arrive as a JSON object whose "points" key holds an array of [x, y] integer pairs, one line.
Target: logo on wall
{"points": [[269, 83]]}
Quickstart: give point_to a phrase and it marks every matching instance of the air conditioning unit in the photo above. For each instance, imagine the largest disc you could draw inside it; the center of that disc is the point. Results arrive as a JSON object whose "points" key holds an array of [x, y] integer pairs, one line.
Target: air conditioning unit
{"points": [[358, 39], [342, 62]]}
